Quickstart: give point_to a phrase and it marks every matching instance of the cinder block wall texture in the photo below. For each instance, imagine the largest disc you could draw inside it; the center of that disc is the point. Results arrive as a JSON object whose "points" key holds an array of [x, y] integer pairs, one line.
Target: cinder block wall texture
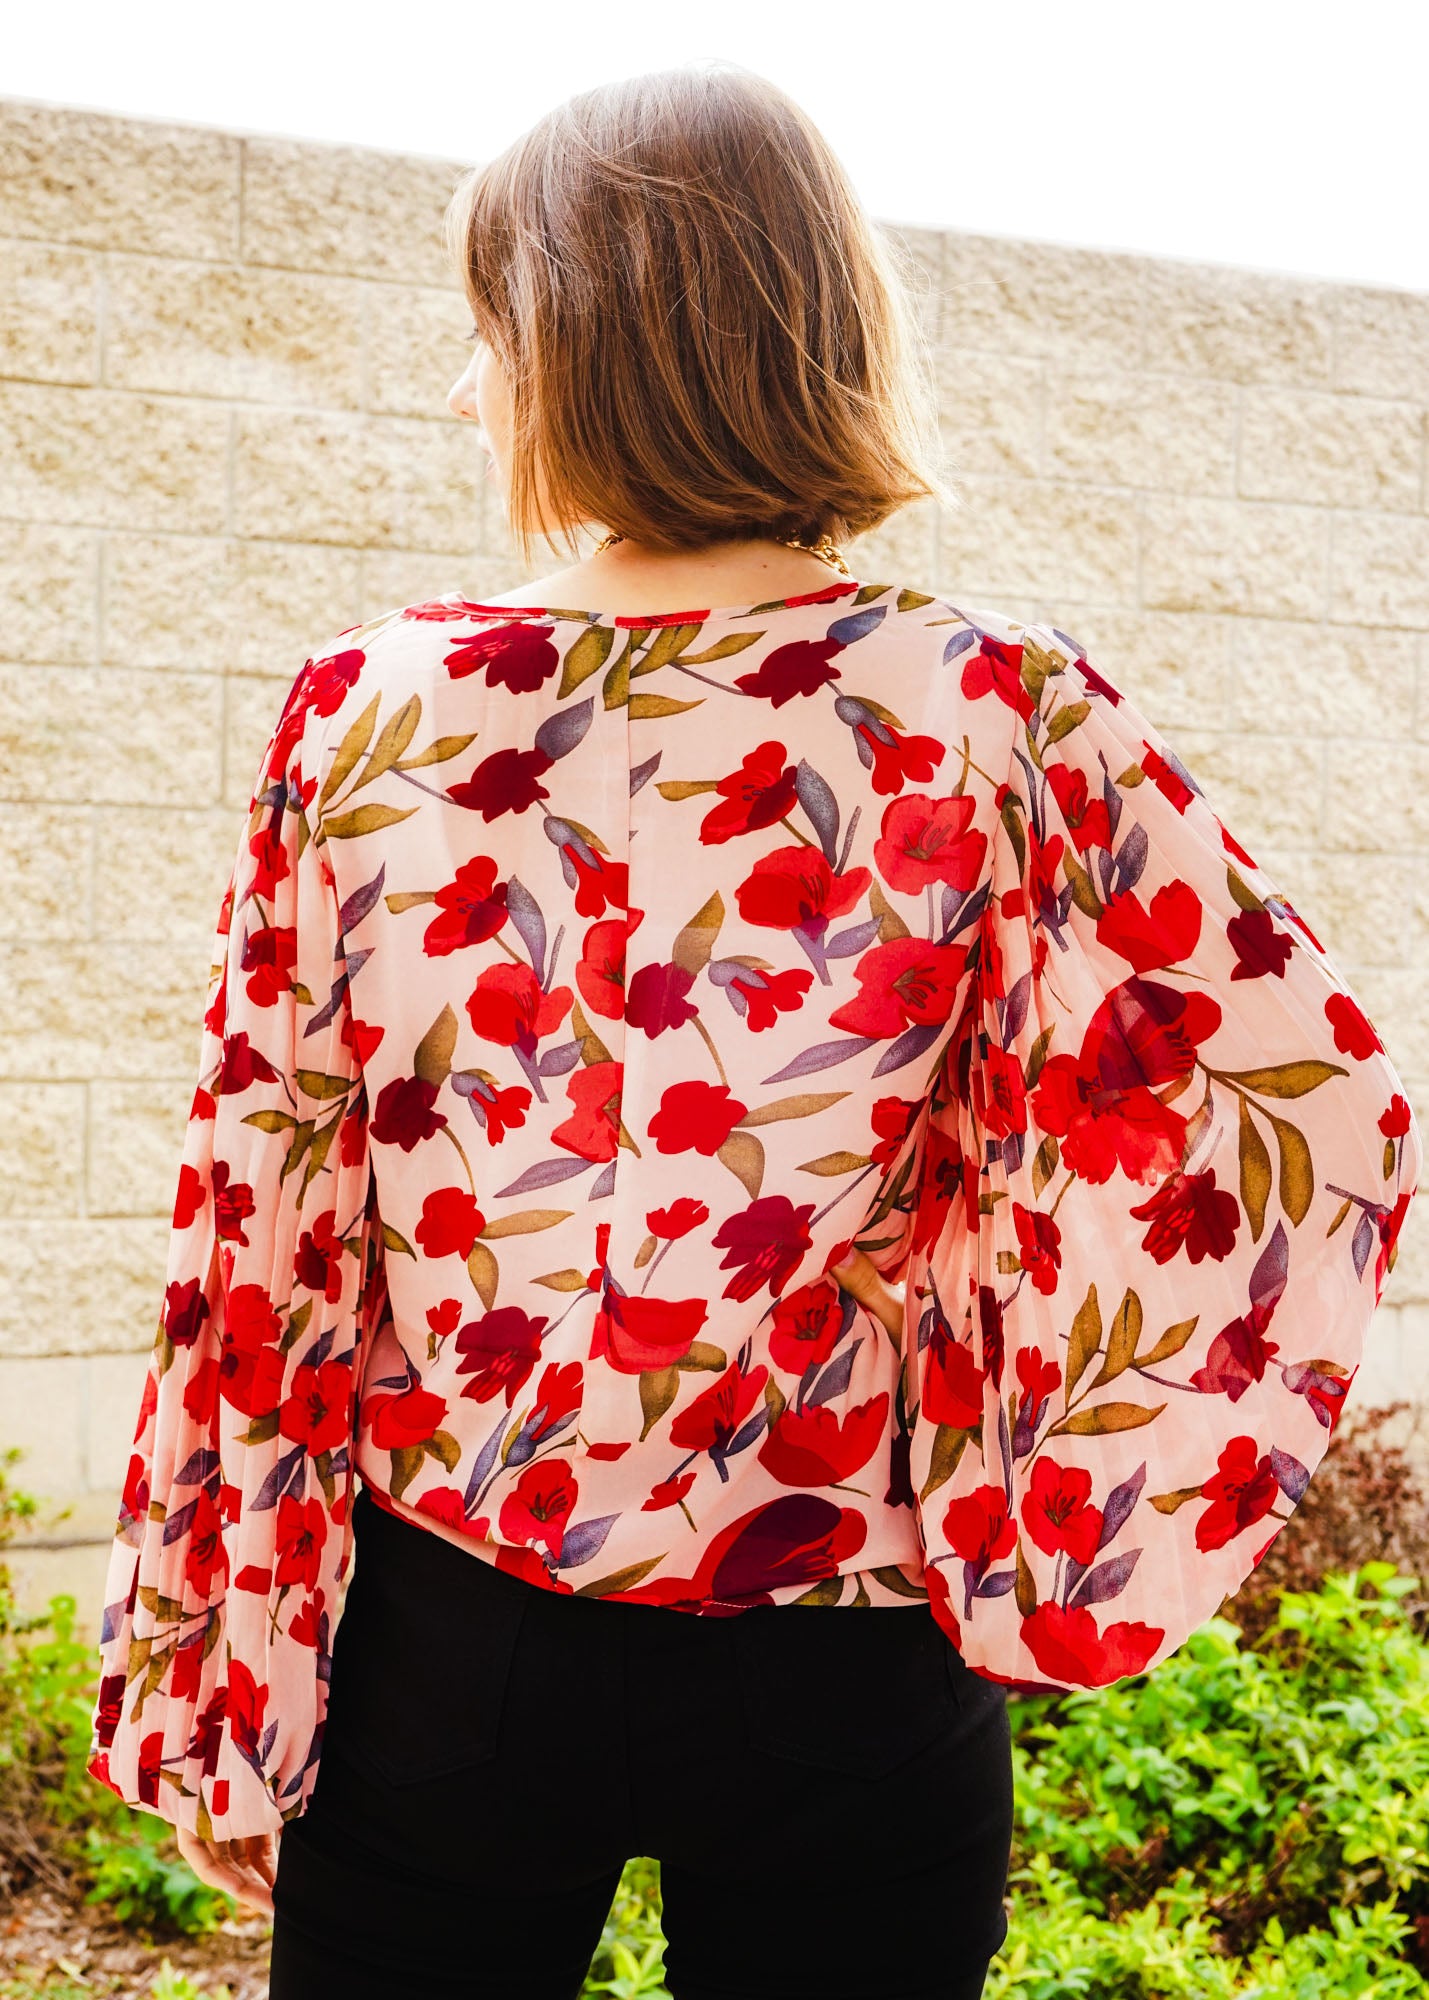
{"points": [[224, 435]]}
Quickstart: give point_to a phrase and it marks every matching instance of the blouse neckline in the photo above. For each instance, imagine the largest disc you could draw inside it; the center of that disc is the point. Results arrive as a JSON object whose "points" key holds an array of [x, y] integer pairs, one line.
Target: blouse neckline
{"points": [[842, 587]]}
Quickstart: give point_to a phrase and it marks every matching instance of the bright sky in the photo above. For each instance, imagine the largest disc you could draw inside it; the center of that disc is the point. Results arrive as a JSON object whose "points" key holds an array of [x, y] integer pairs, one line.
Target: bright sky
{"points": [[1285, 135]]}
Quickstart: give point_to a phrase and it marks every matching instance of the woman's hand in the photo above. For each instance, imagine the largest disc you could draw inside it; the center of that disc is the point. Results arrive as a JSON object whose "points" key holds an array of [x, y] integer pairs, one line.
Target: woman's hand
{"points": [[243, 1869], [861, 1277]]}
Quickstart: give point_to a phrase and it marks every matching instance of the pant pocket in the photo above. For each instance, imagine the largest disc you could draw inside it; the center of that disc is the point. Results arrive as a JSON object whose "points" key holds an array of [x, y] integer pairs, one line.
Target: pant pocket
{"points": [[854, 1690], [422, 1655]]}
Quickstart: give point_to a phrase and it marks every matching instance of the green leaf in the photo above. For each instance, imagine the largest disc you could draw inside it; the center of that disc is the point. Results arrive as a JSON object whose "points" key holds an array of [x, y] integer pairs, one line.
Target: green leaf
{"points": [[1106, 1418], [484, 1273], [365, 819], [524, 1223], [1171, 1342], [658, 1390], [586, 656], [651, 707], [744, 1156], [1086, 1338], [1291, 1079], [354, 742], [433, 1061], [692, 948], [805, 1105], [1254, 1171], [1297, 1171], [835, 1163]]}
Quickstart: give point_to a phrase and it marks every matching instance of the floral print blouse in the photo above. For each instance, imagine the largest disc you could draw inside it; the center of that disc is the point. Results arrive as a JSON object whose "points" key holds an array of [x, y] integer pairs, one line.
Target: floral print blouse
{"points": [[585, 987]]}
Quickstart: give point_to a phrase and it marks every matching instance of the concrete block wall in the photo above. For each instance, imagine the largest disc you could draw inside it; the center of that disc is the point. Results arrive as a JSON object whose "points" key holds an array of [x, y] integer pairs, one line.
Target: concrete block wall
{"points": [[223, 435]]}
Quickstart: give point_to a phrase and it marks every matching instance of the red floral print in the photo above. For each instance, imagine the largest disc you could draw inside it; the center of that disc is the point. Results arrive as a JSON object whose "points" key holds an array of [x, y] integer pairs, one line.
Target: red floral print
{"points": [[566, 1028]]}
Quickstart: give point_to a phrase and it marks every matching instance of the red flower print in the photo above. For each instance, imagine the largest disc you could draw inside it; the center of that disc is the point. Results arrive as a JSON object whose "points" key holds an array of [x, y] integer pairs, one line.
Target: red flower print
{"points": [[1101, 1103], [953, 1385], [1038, 1379], [930, 840], [1039, 1246], [506, 782], [1259, 947], [763, 996], [317, 1261], [600, 975], [450, 1224], [558, 1398], [669, 1493], [1164, 934], [633, 1334], [519, 657], [763, 1245], [816, 1447], [329, 681], [403, 1115], [540, 1505], [233, 1204], [806, 1327], [1353, 1032], [1239, 1355], [1087, 818], [656, 999], [893, 1119], [892, 757], [760, 793], [317, 1411], [678, 1219], [1057, 1511], [710, 1422], [906, 983], [1394, 1120], [472, 906], [1167, 778], [268, 957], [797, 1539], [801, 667], [243, 1065], [401, 1422], [996, 668], [498, 1351], [499, 1108], [599, 882], [1068, 1645], [794, 888], [207, 1557], [593, 1129], [1389, 1221], [695, 1118], [1190, 1211], [1242, 1490], [509, 1007], [978, 1526]]}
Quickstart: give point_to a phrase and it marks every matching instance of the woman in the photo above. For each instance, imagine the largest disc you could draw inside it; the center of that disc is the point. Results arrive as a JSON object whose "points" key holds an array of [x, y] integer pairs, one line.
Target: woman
{"points": [[610, 1004]]}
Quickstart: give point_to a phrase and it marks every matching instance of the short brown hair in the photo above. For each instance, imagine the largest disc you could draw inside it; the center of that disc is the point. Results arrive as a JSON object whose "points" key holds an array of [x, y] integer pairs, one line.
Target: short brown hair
{"points": [[704, 333]]}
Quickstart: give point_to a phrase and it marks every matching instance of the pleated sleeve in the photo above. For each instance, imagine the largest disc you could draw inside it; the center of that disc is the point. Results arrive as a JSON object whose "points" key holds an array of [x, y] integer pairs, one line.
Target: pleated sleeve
{"points": [[234, 1526], [1164, 1165]]}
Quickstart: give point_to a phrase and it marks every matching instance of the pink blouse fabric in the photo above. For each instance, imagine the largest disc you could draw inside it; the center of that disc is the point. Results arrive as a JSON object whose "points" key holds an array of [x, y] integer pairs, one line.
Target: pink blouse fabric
{"points": [[585, 986]]}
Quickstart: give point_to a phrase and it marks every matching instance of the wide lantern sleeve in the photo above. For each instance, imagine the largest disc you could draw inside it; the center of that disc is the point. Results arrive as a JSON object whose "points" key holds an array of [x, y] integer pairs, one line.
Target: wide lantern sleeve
{"points": [[1159, 1182], [234, 1528]]}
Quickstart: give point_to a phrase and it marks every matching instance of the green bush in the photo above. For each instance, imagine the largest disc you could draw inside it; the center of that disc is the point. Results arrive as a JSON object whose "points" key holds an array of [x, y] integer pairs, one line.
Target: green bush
{"points": [[59, 1826], [1246, 1821]]}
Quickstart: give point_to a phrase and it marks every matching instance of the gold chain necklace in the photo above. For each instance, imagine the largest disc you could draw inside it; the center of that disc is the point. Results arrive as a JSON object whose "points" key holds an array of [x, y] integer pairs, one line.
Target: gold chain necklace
{"points": [[823, 548]]}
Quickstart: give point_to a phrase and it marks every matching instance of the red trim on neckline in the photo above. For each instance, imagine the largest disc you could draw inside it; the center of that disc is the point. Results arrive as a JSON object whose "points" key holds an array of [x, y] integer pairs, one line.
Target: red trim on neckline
{"points": [[692, 617]]}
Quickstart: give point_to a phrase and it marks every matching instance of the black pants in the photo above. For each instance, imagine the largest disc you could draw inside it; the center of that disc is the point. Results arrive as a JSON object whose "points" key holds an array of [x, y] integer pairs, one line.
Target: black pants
{"points": [[828, 1792]]}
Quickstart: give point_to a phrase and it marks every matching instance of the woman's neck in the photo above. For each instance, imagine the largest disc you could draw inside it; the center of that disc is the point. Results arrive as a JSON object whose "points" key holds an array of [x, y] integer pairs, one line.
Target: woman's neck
{"points": [[635, 579]]}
